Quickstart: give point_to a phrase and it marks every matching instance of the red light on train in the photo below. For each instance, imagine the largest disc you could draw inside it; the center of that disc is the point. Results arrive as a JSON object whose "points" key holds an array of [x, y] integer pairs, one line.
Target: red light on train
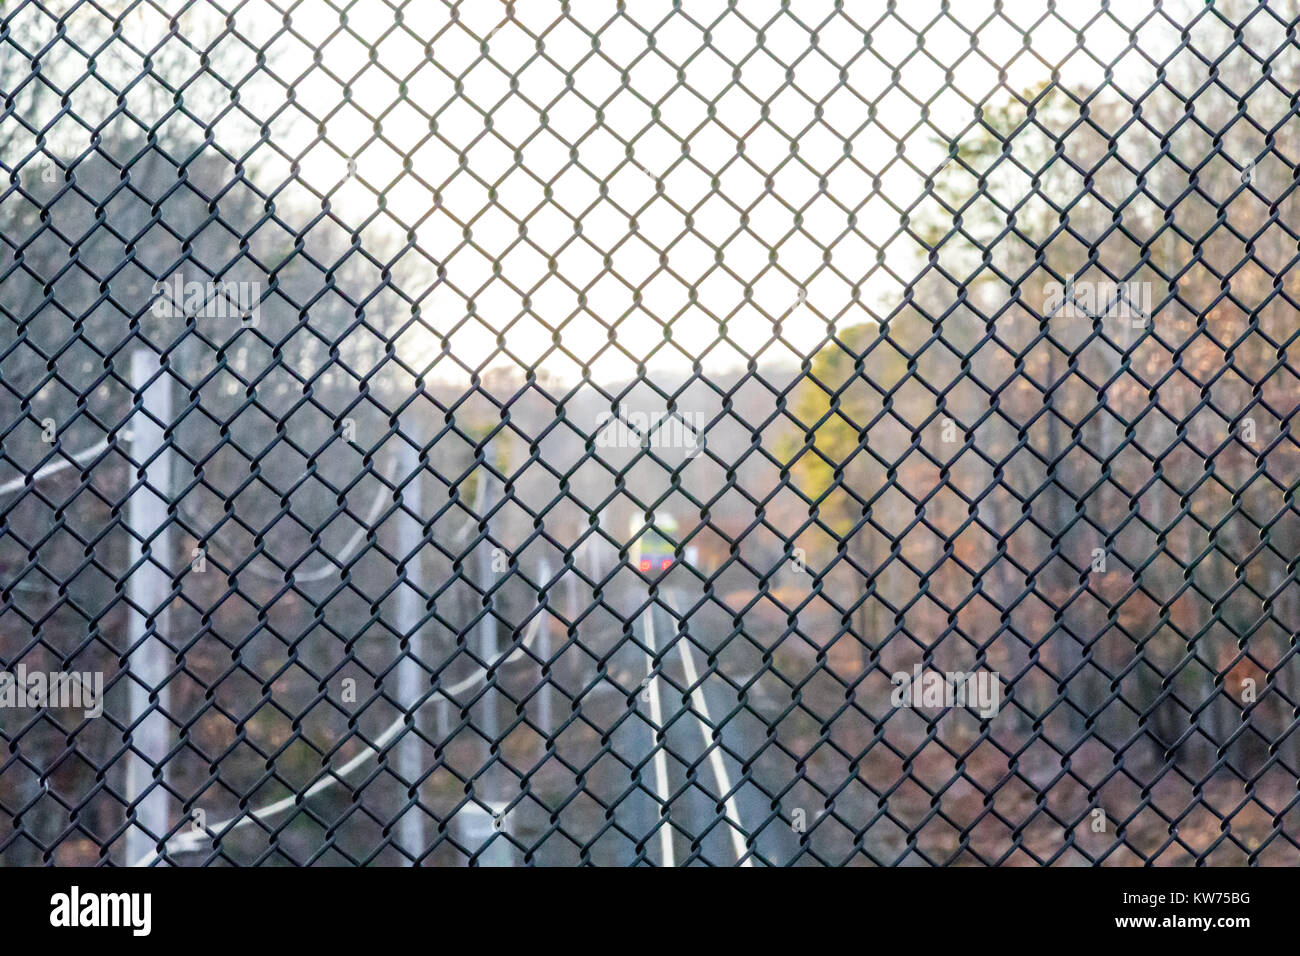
{"points": [[664, 564], [645, 564]]}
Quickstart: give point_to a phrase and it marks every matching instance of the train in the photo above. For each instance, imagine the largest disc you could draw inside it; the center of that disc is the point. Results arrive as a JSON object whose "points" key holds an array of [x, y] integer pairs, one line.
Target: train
{"points": [[652, 552]]}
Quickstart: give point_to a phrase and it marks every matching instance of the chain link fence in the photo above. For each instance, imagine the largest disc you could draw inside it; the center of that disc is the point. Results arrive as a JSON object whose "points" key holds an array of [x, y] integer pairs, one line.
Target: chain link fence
{"points": [[729, 433]]}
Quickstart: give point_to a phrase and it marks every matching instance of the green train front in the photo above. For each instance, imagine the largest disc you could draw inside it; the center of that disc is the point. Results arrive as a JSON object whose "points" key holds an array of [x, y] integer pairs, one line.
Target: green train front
{"points": [[653, 552]]}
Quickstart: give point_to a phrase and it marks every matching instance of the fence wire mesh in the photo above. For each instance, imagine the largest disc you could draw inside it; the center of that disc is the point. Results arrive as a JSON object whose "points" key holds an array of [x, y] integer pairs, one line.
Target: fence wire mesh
{"points": [[723, 433]]}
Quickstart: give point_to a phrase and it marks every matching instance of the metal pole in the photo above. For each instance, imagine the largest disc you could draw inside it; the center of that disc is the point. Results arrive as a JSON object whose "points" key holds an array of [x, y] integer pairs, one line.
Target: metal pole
{"points": [[544, 707], [489, 641], [147, 592], [411, 676], [478, 826]]}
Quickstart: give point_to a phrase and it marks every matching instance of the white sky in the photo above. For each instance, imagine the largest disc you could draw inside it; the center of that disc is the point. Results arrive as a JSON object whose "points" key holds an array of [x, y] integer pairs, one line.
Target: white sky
{"points": [[634, 252]]}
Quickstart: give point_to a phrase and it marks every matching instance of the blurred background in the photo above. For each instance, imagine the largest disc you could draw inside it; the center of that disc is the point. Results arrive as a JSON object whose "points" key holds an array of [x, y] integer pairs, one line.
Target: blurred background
{"points": [[380, 561]]}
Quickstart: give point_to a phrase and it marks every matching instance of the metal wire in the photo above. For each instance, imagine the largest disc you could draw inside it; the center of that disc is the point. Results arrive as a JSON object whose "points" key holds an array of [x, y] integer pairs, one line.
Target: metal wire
{"points": [[548, 433]]}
